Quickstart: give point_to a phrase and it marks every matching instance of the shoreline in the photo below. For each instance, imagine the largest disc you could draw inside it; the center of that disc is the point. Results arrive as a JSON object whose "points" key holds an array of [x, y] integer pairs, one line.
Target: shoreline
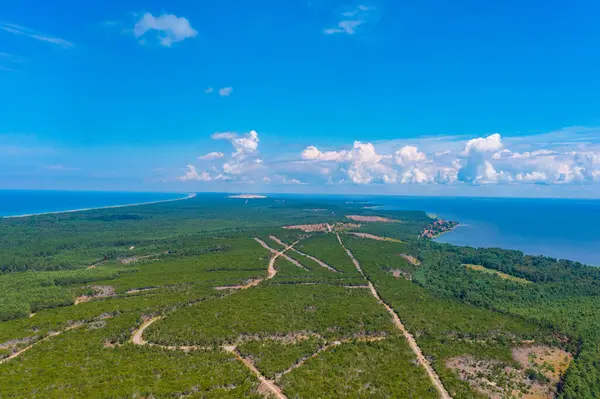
{"points": [[189, 196]]}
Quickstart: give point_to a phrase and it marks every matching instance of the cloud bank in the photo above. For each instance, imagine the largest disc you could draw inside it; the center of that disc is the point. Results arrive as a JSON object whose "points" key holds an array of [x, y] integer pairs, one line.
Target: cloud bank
{"points": [[557, 158]]}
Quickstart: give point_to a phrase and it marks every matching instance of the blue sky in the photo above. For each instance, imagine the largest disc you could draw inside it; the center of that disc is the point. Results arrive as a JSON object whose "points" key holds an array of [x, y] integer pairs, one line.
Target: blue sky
{"points": [[429, 97]]}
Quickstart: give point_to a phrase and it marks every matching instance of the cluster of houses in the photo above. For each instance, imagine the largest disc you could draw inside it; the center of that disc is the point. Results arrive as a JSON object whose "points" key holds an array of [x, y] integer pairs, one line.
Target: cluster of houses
{"points": [[438, 227]]}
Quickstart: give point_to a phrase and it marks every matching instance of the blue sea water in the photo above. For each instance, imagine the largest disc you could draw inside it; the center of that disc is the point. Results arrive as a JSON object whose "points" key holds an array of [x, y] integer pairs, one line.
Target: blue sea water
{"points": [[26, 202], [560, 228]]}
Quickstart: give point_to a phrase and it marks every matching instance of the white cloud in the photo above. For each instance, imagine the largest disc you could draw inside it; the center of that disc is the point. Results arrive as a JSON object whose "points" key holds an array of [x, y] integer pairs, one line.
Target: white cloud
{"points": [[192, 174], [491, 143], [409, 154], [483, 160], [23, 31], [348, 27], [170, 28], [488, 160], [208, 90], [211, 156], [225, 91], [242, 164], [350, 20]]}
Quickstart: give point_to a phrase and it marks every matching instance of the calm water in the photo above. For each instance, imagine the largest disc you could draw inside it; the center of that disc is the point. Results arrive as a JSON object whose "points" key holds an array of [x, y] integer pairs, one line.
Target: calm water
{"points": [[22, 202], [561, 228]]}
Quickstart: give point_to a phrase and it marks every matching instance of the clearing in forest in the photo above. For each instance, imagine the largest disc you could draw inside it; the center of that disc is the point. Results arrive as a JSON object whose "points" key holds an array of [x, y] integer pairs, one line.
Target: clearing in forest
{"points": [[505, 276], [541, 368]]}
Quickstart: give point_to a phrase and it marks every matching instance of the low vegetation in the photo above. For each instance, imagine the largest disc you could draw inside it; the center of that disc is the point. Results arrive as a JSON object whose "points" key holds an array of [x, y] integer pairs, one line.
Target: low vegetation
{"points": [[75, 287]]}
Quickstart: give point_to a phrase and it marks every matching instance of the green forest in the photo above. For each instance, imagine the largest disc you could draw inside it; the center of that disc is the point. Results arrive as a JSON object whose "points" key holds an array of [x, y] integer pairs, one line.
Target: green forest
{"points": [[215, 297]]}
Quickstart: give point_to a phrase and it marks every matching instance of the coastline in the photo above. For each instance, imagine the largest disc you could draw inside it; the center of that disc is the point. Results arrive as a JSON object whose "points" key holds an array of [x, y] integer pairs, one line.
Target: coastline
{"points": [[189, 196]]}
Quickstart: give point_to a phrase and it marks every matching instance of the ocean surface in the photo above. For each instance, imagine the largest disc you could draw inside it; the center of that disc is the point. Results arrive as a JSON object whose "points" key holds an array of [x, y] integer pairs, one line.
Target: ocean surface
{"points": [[25, 202], [560, 228]]}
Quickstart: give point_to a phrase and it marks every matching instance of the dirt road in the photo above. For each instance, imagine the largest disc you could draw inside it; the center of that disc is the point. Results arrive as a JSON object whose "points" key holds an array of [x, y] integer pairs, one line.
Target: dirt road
{"points": [[435, 379], [265, 384], [272, 271], [47, 337], [320, 262], [137, 337]]}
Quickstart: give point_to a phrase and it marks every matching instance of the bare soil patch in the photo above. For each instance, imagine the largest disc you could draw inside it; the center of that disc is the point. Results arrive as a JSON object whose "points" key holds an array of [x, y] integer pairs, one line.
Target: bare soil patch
{"points": [[397, 273], [324, 227], [537, 378], [411, 259], [360, 218], [100, 291], [374, 237]]}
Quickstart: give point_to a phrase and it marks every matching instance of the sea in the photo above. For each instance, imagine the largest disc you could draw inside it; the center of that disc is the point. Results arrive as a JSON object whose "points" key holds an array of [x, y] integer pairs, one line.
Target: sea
{"points": [[29, 202], [559, 228]]}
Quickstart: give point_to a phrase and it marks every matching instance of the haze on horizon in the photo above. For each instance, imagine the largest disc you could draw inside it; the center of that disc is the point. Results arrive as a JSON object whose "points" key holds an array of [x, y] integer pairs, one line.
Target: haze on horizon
{"points": [[320, 96]]}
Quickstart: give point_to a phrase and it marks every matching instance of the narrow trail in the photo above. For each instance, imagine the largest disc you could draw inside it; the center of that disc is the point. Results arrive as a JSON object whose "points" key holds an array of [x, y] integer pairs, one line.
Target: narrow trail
{"points": [[137, 337], [325, 348], [46, 338], [276, 254], [319, 261], [435, 379], [265, 383]]}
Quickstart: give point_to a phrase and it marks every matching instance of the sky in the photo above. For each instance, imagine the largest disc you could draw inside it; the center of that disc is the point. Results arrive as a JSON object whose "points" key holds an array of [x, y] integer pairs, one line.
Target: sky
{"points": [[308, 96]]}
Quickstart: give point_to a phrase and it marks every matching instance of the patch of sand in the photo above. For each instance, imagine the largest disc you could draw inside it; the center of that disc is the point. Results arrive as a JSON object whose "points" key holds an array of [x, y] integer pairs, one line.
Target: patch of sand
{"points": [[397, 273], [374, 237], [100, 291], [138, 290], [323, 227], [499, 380], [360, 218], [247, 196], [411, 259]]}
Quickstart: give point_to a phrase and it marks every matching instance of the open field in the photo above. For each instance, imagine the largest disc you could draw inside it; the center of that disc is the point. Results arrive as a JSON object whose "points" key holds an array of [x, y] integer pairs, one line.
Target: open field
{"points": [[213, 297], [505, 276]]}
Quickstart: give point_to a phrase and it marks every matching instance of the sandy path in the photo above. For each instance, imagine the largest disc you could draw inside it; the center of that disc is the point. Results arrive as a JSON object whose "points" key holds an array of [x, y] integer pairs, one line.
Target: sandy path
{"points": [[325, 348], [272, 271], [251, 283], [435, 379], [374, 237], [137, 337], [265, 383], [47, 337], [320, 262]]}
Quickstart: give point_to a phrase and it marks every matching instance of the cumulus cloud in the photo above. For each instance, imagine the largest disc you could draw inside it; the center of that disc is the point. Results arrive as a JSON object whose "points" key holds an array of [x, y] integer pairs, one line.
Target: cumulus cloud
{"points": [[242, 164], [169, 28], [211, 156], [409, 154], [350, 20], [482, 160], [192, 174], [487, 160], [478, 153]]}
